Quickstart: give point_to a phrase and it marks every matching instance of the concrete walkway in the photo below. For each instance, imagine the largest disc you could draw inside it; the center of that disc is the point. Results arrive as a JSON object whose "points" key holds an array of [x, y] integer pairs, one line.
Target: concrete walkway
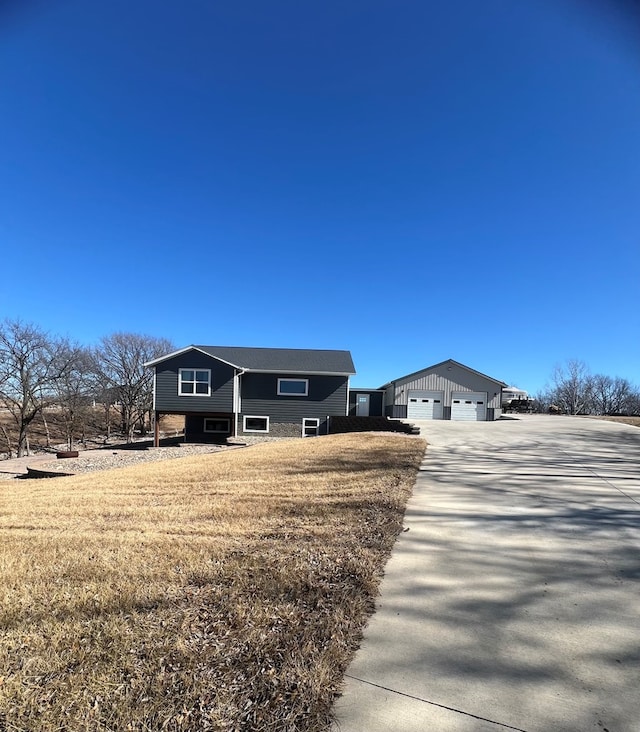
{"points": [[513, 600]]}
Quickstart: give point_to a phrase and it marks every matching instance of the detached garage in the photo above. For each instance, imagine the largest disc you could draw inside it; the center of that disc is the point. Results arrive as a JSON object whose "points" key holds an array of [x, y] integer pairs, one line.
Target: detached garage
{"points": [[446, 390]]}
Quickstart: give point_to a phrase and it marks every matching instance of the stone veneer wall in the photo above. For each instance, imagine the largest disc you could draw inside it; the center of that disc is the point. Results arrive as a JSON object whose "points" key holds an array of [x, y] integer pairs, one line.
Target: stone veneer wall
{"points": [[276, 429]]}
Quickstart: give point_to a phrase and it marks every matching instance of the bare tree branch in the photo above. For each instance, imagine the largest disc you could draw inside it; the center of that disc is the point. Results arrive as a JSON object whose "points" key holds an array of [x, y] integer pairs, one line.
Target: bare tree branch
{"points": [[572, 387], [119, 362], [27, 374]]}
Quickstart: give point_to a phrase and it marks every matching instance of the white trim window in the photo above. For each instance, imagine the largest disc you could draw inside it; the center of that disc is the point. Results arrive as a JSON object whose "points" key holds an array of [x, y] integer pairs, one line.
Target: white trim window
{"points": [[310, 426], [293, 387], [194, 382], [217, 425], [252, 423]]}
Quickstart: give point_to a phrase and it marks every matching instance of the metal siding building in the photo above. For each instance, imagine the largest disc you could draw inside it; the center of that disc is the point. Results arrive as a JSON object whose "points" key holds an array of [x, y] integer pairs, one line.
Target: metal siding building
{"points": [[452, 380]]}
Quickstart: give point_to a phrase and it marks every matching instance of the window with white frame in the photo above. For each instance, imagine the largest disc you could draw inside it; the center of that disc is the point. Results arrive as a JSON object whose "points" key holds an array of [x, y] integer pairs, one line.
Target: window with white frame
{"points": [[293, 387], [255, 424], [219, 425], [194, 382], [310, 427]]}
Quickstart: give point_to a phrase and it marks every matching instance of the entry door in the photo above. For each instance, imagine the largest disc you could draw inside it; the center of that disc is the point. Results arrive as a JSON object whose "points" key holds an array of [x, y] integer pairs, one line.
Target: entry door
{"points": [[362, 405]]}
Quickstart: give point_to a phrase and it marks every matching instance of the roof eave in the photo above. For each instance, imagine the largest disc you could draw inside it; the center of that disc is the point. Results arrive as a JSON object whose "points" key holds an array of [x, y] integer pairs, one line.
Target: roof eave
{"points": [[184, 350], [300, 371]]}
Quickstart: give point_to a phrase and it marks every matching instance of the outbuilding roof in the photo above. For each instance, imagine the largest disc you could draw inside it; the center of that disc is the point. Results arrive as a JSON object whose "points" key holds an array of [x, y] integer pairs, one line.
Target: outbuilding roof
{"points": [[281, 360], [442, 363]]}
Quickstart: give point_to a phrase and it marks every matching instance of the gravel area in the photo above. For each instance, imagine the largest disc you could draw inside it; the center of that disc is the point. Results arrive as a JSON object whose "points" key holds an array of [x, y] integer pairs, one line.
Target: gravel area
{"points": [[105, 459]]}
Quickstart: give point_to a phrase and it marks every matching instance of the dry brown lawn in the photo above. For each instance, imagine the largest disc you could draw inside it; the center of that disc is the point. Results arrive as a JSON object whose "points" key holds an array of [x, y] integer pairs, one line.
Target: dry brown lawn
{"points": [[635, 421], [219, 592]]}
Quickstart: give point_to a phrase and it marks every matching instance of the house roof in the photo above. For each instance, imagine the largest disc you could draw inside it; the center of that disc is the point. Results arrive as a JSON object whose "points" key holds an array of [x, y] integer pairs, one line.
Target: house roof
{"points": [[281, 360], [442, 363]]}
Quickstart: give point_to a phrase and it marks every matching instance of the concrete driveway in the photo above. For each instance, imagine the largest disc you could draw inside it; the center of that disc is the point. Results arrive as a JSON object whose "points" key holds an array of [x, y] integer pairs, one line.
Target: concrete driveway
{"points": [[512, 599]]}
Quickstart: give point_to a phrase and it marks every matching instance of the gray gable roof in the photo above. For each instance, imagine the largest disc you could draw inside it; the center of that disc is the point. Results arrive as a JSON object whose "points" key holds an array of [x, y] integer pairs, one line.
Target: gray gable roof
{"points": [[281, 360], [441, 363]]}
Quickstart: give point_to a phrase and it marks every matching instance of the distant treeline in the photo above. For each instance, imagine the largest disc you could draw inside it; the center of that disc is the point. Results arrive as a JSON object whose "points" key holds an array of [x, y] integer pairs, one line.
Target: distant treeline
{"points": [[575, 390], [39, 370]]}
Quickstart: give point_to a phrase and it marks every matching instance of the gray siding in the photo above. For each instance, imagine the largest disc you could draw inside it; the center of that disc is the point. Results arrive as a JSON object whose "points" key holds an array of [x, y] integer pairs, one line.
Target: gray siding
{"points": [[389, 393], [327, 396], [396, 411], [167, 399], [447, 377], [376, 397]]}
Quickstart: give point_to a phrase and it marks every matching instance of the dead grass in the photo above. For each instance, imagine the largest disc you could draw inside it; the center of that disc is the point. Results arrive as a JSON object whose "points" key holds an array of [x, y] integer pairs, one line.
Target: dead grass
{"points": [[635, 421], [172, 423], [219, 592]]}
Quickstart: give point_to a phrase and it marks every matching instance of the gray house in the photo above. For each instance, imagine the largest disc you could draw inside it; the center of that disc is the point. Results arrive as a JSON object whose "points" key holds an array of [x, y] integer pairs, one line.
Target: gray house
{"points": [[225, 390], [446, 390]]}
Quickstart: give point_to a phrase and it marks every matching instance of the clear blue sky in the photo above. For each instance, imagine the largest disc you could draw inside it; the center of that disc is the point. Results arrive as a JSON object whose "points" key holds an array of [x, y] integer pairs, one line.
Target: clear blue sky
{"points": [[409, 180]]}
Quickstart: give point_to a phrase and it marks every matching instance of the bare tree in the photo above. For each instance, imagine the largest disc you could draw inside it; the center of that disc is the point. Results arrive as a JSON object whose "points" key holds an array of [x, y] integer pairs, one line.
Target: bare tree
{"points": [[28, 372], [632, 402], [542, 401], [572, 387], [609, 394], [119, 362], [73, 388]]}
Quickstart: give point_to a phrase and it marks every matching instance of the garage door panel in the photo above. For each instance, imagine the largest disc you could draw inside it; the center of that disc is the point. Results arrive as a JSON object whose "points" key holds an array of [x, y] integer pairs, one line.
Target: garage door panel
{"points": [[424, 404], [469, 406]]}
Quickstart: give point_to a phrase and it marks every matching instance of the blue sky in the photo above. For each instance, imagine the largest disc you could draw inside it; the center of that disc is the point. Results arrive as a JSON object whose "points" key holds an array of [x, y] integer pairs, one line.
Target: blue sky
{"points": [[412, 181]]}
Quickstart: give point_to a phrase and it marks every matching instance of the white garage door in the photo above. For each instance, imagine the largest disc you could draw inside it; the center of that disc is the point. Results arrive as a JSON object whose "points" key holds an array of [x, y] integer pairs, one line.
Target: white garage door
{"points": [[424, 404], [470, 406]]}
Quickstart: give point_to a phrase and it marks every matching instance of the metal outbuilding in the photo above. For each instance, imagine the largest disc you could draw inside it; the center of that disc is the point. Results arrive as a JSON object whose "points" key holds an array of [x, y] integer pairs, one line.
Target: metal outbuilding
{"points": [[446, 390]]}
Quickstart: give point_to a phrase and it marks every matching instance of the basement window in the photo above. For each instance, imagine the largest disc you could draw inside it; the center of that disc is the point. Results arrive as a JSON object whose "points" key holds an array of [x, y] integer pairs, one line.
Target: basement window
{"points": [[293, 387], [217, 425], [255, 424], [310, 427]]}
